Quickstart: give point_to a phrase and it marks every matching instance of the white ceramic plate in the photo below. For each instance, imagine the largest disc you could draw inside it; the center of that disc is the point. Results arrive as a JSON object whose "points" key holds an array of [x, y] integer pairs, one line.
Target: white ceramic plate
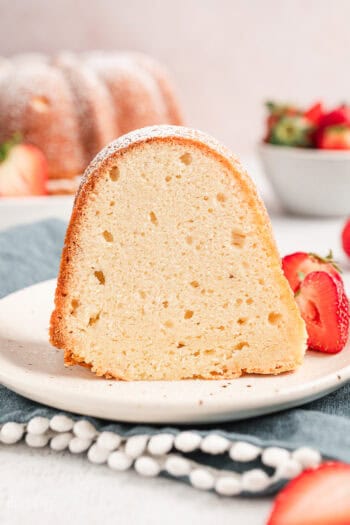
{"points": [[33, 368]]}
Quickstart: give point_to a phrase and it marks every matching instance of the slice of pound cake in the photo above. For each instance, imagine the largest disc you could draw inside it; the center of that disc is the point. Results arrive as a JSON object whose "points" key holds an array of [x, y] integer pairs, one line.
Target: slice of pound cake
{"points": [[170, 270]]}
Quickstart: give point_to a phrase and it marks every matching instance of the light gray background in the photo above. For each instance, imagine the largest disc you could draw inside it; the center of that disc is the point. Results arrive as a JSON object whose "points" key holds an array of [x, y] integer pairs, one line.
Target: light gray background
{"points": [[226, 56]]}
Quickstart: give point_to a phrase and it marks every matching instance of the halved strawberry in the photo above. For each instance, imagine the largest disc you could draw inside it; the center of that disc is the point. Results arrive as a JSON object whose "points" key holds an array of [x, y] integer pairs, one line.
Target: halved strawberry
{"points": [[334, 137], [338, 116], [324, 307], [297, 265], [345, 237], [23, 170], [318, 496]]}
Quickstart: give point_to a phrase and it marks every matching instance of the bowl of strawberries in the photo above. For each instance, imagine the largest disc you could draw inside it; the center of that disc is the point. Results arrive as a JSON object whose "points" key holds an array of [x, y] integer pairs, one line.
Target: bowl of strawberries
{"points": [[306, 156]]}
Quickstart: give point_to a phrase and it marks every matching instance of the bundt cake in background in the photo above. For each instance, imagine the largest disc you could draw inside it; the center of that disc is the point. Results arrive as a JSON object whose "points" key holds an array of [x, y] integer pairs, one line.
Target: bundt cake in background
{"points": [[70, 106]]}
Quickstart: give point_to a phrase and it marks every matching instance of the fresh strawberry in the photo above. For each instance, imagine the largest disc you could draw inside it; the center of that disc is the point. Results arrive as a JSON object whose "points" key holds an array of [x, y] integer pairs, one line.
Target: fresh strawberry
{"points": [[318, 496], [334, 137], [345, 237], [297, 266], [315, 113], [325, 309], [23, 170], [336, 117]]}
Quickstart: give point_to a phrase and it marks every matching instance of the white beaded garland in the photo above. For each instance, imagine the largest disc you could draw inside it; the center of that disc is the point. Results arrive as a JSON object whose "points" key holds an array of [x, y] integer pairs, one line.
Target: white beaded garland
{"points": [[136, 445], [255, 480], [187, 441], [78, 445], [37, 440], [147, 466], [242, 451], [61, 441], [202, 479], [61, 423], [177, 466], [214, 444], [11, 433], [119, 461], [274, 456], [84, 429], [97, 454], [307, 457], [160, 444], [228, 486], [38, 425], [289, 469], [109, 440]]}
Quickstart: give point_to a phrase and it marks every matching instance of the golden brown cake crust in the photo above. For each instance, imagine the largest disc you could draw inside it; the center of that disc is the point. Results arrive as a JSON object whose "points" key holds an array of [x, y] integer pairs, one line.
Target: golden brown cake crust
{"points": [[104, 161]]}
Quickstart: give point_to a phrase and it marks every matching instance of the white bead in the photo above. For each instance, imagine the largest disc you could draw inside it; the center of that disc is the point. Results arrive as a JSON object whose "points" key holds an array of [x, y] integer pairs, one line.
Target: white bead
{"points": [[119, 461], [187, 441], [255, 480], [307, 457], [109, 440], [160, 444], [38, 425], [78, 445], [242, 451], [228, 486], [147, 466], [97, 454], [289, 469], [214, 444], [61, 441], [84, 429], [202, 479], [37, 440], [274, 456], [61, 423], [135, 446], [177, 466], [11, 432]]}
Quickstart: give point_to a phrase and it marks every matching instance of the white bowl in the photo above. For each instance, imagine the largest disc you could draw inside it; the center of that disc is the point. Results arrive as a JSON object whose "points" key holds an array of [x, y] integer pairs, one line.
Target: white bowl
{"points": [[309, 182]]}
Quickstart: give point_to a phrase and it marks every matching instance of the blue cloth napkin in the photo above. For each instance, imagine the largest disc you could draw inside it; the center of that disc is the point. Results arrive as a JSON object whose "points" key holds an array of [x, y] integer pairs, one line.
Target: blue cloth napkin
{"points": [[31, 253]]}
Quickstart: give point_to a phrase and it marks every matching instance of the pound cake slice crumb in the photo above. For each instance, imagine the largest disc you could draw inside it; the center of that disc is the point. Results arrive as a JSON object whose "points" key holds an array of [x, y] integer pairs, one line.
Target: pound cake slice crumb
{"points": [[169, 269]]}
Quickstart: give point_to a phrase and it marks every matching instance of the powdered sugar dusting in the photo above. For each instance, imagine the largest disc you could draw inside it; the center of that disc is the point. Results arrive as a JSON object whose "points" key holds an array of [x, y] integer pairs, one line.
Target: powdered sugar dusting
{"points": [[150, 133]]}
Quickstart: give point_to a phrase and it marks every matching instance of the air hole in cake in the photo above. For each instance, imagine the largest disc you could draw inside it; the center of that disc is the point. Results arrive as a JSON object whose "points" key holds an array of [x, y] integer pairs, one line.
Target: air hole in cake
{"points": [[231, 276], [261, 281], [221, 197], [274, 317], [221, 327], [194, 284], [169, 324], [196, 354], [242, 320], [114, 173], [40, 104], [186, 158], [189, 239], [165, 304], [206, 198], [167, 178], [210, 210], [142, 294], [94, 318], [188, 314], [214, 373], [240, 346], [225, 306], [209, 352], [74, 304], [178, 176], [180, 344], [112, 203], [100, 277], [237, 238], [239, 302], [107, 236], [153, 218], [249, 300]]}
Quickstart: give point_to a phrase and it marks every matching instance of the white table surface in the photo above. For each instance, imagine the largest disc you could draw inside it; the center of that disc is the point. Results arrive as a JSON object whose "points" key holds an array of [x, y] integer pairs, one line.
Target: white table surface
{"points": [[45, 487]]}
